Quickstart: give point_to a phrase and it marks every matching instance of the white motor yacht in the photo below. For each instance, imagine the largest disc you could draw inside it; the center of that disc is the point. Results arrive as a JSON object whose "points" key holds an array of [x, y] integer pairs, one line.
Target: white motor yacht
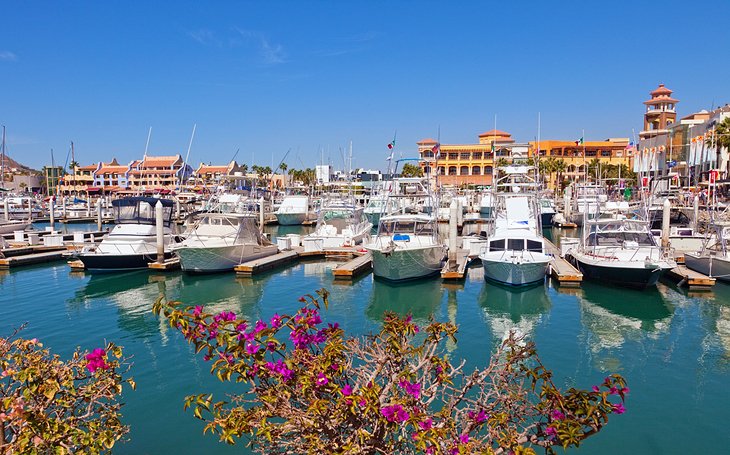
{"points": [[339, 223], [294, 210], [132, 244], [712, 260]]}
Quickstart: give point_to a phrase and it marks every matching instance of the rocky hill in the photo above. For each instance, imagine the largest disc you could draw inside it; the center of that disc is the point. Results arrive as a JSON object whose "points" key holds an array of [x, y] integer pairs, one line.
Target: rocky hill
{"points": [[11, 164]]}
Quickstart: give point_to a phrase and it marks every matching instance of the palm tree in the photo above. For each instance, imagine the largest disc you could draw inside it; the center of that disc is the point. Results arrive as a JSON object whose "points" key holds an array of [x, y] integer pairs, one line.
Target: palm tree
{"points": [[559, 167], [720, 138]]}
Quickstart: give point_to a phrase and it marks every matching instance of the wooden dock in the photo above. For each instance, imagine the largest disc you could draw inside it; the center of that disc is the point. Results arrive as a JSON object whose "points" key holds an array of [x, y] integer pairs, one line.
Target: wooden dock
{"points": [[269, 262], [562, 270], [456, 269], [166, 265], [695, 281], [566, 225], [32, 258], [349, 270]]}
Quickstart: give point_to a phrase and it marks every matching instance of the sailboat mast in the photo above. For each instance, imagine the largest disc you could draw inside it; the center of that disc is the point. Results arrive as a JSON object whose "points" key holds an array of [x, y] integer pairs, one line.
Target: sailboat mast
{"points": [[2, 162]]}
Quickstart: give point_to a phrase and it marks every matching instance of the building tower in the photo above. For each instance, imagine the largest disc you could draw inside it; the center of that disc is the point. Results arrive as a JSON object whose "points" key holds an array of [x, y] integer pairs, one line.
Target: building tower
{"points": [[660, 113]]}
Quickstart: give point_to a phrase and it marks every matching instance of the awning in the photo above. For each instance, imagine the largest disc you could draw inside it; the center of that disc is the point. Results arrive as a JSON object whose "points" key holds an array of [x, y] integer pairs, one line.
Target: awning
{"points": [[92, 189]]}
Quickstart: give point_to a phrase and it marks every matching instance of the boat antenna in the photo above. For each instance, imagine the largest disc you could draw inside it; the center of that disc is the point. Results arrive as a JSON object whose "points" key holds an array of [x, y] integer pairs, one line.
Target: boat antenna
{"points": [[185, 163], [146, 146]]}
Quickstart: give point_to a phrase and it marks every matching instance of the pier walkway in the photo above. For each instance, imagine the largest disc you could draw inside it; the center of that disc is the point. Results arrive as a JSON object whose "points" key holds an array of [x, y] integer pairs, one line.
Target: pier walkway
{"points": [[562, 270]]}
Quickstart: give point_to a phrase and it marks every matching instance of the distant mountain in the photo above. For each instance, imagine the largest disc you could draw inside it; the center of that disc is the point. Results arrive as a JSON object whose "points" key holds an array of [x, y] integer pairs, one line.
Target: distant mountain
{"points": [[12, 164]]}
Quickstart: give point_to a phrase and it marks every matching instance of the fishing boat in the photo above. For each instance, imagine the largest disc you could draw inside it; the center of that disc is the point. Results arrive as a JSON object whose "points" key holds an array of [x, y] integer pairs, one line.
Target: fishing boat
{"points": [[406, 247], [515, 252], [547, 212], [132, 244], [340, 223], [294, 210], [219, 241], [380, 205], [712, 260], [620, 251], [486, 204], [586, 201]]}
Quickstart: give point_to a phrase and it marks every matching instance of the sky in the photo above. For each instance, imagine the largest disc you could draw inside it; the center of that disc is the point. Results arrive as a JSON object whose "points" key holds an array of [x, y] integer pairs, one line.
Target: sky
{"points": [[300, 81]]}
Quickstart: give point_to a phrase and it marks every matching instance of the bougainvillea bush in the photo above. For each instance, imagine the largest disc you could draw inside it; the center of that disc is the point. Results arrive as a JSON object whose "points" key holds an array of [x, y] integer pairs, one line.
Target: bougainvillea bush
{"points": [[300, 385], [48, 405]]}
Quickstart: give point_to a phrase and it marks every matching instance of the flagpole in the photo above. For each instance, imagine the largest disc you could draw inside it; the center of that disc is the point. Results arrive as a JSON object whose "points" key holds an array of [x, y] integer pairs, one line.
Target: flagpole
{"points": [[585, 166]]}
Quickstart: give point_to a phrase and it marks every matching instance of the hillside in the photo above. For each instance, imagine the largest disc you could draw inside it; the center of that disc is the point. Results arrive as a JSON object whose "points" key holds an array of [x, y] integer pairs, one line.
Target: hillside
{"points": [[12, 164]]}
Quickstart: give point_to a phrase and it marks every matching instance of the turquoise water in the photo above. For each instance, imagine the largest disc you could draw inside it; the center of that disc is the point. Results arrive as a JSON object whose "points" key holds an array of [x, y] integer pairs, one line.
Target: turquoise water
{"points": [[672, 346]]}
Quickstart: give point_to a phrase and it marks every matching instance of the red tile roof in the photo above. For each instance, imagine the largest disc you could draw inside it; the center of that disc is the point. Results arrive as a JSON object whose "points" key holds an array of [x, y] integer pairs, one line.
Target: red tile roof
{"points": [[426, 141], [496, 133], [159, 161], [661, 90], [106, 169], [206, 169]]}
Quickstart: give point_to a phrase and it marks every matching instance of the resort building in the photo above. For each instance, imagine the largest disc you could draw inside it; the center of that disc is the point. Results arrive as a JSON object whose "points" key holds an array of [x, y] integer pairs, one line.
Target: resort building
{"points": [[209, 176], [467, 164], [660, 114], [157, 173], [79, 180], [111, 177], [578, 155]]}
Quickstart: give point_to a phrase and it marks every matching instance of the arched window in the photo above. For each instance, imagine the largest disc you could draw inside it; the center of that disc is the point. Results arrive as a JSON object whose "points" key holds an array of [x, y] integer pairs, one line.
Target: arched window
{"points": [[487, 170], [571, 168], [464, 170], [452, 170], [476, 170], [442, 170], [427, 169]]}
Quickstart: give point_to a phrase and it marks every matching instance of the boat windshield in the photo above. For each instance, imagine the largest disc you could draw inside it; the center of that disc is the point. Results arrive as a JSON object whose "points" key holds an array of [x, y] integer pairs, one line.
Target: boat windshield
{"points": [[515, 245], [141, 210], [406, 227], [618, 239]]}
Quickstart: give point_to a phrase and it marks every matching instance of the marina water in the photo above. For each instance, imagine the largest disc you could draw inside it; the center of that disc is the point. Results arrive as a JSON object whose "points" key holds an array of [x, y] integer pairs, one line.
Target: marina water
{"points": [[672, 346]]}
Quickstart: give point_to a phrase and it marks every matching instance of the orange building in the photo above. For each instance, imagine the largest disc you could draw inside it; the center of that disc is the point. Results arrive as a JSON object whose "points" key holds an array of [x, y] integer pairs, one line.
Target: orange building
{"points": [[467, 164], [577, 156]]}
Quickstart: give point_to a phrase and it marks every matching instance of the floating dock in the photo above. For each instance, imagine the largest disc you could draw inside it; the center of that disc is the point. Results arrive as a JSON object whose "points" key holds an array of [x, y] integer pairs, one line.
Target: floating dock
{"points": [[354, 267], [695, 281], [269, 262], [456, 269], [44, 255], [562, 270], [166, 265]]}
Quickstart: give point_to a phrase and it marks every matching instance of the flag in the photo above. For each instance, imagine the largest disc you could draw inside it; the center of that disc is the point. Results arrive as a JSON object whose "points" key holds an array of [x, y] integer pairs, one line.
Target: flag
{"points": [[437, 150], [391, 145], [579, 141]]}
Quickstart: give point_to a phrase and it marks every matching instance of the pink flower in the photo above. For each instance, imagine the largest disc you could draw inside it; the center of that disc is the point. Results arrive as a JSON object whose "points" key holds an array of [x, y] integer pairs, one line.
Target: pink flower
{"points": [[550, 431], [595, 388], [362, 403], [395, 413], [335, 366], [412, 389], [275, 321], [426, 424], [557, 415], [260, 325], [625, 390], [613, 391], [197, 311], [430, 450], [619, 408], [479, 417], [96, 360], [347, 390], [252, 348], [322, 379], [464, 438]]}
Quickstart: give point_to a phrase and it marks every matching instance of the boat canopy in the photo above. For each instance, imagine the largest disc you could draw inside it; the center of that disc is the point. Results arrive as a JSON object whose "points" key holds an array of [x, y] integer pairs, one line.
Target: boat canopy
{"points": [[141, 210], [406, 226]]}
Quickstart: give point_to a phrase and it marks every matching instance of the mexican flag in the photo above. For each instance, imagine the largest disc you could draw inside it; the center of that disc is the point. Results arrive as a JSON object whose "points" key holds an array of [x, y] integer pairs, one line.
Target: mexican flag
{"points": [[579, 141], [391, 145]]}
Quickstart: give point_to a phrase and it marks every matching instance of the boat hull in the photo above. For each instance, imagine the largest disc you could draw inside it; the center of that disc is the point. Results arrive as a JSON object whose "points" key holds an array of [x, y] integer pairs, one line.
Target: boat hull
{"points": [[407, 264], [638, 277], [711, 266], [101, 262], [290, 219], [506, 271], [546, 219], [220, 259]]}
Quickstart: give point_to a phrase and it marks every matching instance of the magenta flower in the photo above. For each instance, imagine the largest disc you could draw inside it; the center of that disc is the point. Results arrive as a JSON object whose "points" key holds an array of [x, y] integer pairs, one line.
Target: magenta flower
{"points": [[347, 390], [613, 391], [395, 413], [595, 388], [550, 431], [362, 403], [625, 390], [96, 360], [557, 415], [260, 325], [479, 417], [430, 450], [275, 321], [335, 366], [322, 379], [252, 348], [402, 415], [197, 311], [412, 389], [619, 408], [426, 424], [464, 438]]}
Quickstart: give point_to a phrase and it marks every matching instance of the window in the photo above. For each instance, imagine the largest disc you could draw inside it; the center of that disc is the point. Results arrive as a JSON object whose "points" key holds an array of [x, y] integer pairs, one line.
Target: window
{"points": [[452, 170], [476, 170], [427, 169], [476, 156], [464, 155], [606, 153], [427, 154], [515, 244], [487, 170], [533, 245], [453, 156], [496, 245], [464, 170], [442, 170]]}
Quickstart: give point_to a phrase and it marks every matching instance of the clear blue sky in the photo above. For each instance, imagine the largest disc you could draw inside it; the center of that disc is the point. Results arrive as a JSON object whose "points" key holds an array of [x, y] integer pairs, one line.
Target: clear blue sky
{"points": [[271, 76]]}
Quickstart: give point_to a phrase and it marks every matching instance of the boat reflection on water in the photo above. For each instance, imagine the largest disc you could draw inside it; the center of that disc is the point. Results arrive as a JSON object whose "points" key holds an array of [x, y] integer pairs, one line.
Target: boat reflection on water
{"points": [[621, 315], [513, 309], [420, 298]]}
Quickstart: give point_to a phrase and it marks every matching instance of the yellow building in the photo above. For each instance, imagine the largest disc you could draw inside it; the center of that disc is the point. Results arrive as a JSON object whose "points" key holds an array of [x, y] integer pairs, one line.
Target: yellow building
{"points": [[467, 164], [578, 155]]}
